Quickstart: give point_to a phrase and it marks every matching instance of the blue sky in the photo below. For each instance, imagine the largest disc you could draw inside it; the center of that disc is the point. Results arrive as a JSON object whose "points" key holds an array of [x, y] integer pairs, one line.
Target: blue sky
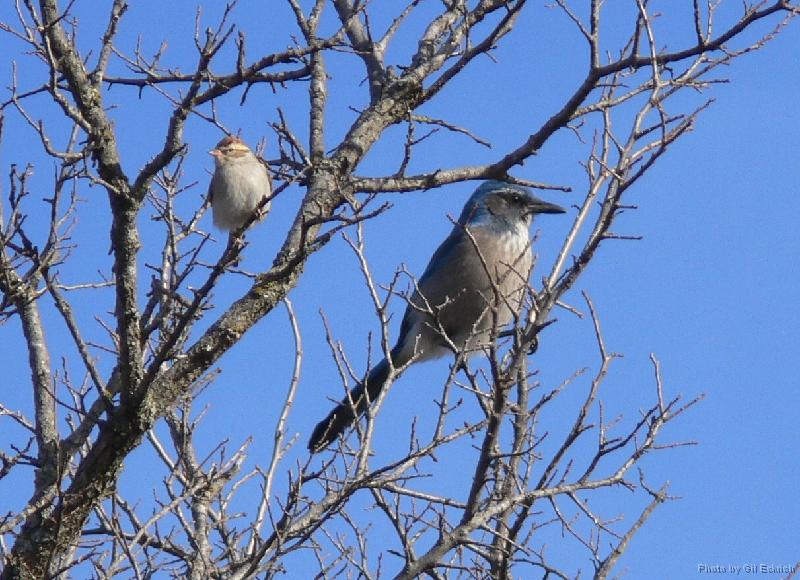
{"points": [[711, 288]]}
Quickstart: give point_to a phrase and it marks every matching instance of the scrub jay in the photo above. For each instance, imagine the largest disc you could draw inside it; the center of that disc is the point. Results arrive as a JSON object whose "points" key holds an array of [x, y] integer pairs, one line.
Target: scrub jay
{"points": [[474, 282]]}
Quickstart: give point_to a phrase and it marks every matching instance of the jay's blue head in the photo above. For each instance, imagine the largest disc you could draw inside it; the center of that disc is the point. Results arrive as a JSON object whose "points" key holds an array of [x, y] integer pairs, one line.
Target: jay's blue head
{"points": [[496, 203]]}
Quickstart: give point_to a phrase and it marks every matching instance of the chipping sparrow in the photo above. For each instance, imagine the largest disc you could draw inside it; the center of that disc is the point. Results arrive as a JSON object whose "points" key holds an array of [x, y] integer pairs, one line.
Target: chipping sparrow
{"points": [[239, 183]]}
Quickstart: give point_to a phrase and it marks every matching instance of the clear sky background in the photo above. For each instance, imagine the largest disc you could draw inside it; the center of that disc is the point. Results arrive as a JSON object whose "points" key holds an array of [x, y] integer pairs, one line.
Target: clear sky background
{"points": [[712, 288]]}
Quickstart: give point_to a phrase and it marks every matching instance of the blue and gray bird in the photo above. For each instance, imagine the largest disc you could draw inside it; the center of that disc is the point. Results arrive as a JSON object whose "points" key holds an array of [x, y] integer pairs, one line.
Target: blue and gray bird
{"points": [[474, 282]]}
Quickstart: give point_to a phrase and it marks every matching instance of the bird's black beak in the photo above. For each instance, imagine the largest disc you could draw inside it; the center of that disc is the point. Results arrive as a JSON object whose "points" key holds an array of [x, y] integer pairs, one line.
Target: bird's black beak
{"points": [[536, 205]]}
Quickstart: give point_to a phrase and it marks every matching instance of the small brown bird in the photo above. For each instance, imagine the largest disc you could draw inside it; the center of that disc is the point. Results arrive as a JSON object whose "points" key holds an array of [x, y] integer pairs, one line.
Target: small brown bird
{"points": [[240, 182]]}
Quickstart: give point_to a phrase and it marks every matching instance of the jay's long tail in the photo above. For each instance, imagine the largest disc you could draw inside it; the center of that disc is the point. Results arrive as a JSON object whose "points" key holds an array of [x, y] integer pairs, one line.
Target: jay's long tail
{"points": [[346, 412]]}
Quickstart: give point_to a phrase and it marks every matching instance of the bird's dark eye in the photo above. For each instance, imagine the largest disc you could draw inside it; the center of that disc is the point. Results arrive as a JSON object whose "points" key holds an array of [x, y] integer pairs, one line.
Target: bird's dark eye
{"points": [[515, 198]]}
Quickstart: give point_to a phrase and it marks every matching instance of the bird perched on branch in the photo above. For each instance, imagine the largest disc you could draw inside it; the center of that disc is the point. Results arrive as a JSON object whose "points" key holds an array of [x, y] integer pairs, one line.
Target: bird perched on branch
{"points": [[240, 182], [474, 283]]}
